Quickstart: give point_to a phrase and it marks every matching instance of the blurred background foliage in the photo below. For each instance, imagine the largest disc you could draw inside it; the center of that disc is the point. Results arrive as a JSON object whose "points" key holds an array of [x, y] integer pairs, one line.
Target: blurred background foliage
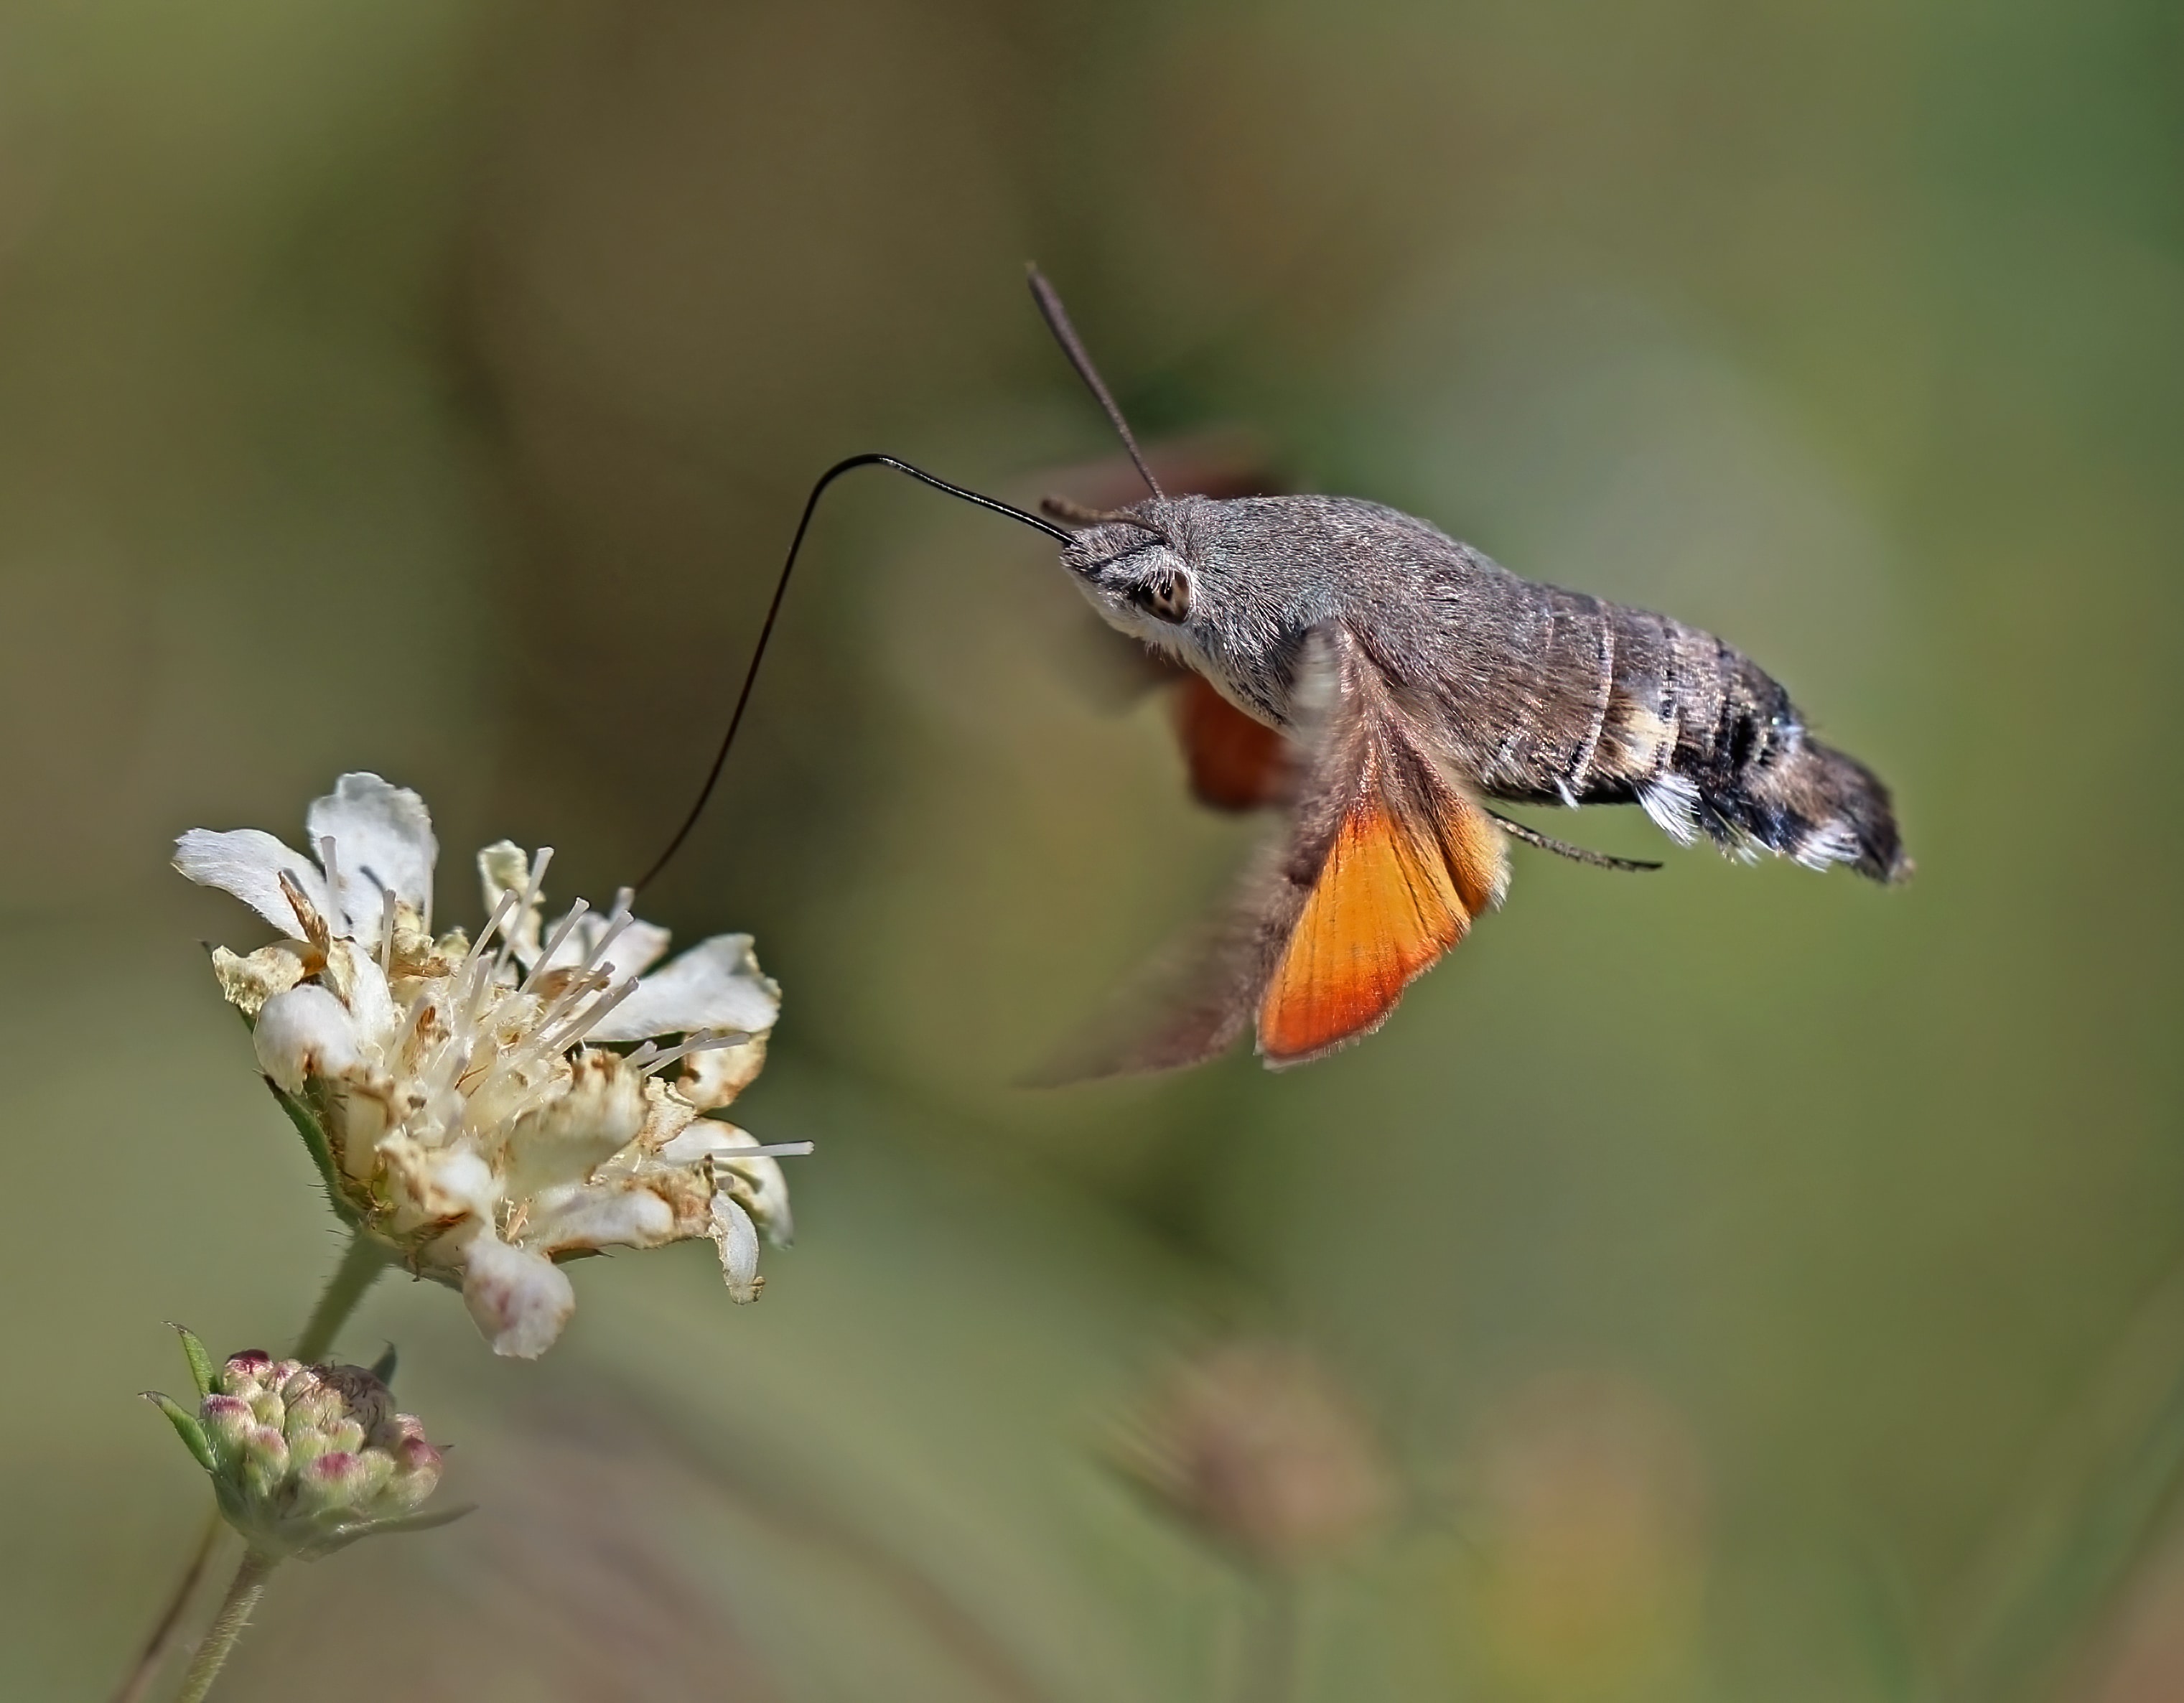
{"points": [[1756, 1279]]}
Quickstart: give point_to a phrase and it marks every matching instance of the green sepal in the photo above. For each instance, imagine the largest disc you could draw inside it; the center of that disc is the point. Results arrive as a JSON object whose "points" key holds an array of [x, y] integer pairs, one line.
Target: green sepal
{"points": [[186, 1426], [383, 1367], [203, 1372], [314, 1143], [418, 1522], [341, 1539]]}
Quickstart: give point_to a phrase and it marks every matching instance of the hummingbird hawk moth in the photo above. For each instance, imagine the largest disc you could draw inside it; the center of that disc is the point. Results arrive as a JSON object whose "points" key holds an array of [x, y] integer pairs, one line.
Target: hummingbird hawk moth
{"points": [[1381, 683]]}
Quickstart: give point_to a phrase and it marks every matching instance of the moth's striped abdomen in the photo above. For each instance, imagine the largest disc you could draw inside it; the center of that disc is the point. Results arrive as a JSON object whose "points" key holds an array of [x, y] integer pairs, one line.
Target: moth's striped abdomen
{"points": [[1707, 742], [1593, 702]]}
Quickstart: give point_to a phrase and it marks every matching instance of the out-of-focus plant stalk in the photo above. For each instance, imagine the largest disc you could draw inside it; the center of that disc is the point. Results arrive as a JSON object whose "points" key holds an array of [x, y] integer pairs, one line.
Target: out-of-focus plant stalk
{"points": [[2083, 1539], [1270, 1662], [243, 1594], [153, 1656]]}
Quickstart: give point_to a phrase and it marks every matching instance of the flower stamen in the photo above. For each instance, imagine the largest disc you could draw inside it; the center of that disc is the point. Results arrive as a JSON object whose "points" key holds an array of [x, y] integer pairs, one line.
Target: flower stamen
{"points": [[531, 887], [648, 1062], [618, 920], [582, 1023], [327, 862], [562, 930], [500, 909]]}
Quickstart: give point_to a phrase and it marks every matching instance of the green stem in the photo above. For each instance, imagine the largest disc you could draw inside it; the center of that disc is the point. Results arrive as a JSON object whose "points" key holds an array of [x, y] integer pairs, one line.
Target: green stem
{"points": [[363, 1261], [234, 1614]]}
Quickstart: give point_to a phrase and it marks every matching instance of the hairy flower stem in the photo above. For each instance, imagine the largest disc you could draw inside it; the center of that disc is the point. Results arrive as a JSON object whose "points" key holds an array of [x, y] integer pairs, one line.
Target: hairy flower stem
{"points": [[234, 1614], [362, 1262]]}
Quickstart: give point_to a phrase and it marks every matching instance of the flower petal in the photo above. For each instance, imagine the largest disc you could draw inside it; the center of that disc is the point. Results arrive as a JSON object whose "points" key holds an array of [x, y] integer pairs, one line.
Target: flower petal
{"points": [[305, 1032], [355, 977], [434, 1183], [737, 1238], [249, 982], [713, 1078], [599, 1215], [635, 950], [383, 843], [519, 1300], [716, 985], [505, 867], [249, 863], [593, 1118], [756, 1180]]}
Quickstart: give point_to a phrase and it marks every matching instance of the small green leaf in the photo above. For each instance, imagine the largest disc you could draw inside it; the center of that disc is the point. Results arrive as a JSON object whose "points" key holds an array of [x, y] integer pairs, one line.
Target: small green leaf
{"points": [[202, 1371], [186, 1426]]}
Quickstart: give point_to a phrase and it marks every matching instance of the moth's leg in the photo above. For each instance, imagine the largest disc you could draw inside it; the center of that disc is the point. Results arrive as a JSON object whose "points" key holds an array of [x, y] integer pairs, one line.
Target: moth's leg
{"points": [[1533, 836]]}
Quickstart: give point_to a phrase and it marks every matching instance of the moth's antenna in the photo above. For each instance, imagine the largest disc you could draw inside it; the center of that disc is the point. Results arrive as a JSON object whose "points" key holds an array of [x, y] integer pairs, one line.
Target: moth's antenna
{"points": [[773, 611], [1057, 321]]}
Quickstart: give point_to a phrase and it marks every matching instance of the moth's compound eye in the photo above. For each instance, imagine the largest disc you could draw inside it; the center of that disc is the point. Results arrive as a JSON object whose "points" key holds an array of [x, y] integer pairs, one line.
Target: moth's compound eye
{"points": [[1166, 597]]}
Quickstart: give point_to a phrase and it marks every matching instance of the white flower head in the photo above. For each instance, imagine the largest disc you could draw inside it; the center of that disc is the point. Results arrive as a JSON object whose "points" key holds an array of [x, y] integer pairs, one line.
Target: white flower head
{"points": [[480, 1105]]}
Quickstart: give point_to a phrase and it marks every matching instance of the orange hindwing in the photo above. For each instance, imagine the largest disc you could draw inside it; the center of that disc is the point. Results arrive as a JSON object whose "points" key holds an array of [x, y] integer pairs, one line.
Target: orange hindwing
{"points": [[1394, 893], [1235, 763]]}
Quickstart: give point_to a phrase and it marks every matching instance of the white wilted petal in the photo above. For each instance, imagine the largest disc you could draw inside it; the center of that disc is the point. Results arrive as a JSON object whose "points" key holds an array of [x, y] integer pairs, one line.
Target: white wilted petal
{"points": [[383, 843], [305, 1032], [354, 975], [597, 1116], [716, 985], [249, 982], [449, 1183], [622, 1215], [636, 948], [519, 1299], [761, 1184], [737, 1238], [712, 1079], [754, 1178], [505, 867], [249, 863]]}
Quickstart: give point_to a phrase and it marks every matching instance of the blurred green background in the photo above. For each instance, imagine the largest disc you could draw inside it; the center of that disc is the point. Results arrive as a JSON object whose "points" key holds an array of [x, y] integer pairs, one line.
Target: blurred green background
{"points": [[1756, 1277]]}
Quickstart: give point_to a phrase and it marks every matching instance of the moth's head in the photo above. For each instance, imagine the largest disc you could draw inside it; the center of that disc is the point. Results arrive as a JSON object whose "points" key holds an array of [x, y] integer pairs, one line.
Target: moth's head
{"points": [[1136, 567], [1154, 572]]}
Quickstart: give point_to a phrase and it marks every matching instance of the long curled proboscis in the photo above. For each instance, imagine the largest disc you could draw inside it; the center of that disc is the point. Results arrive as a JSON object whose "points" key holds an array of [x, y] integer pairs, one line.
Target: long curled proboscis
{"points": [[773, 613]]}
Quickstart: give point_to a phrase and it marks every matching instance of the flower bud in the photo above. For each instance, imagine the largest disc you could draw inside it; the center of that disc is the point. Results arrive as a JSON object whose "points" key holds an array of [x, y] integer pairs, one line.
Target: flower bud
{"points": [[296, 1382], [369, 1402], [264, 1463], [341, 1480], [245, 1374], [311, 1408], [416, 1473], [228, 1422], [305, 1460]]}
